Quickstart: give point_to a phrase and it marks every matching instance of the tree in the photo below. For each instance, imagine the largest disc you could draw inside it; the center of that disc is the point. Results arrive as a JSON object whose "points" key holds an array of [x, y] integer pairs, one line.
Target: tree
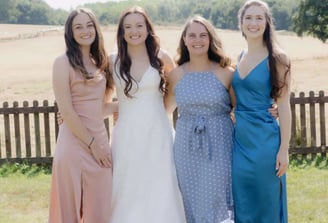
{"points": [[312, 18], [8, 11]]}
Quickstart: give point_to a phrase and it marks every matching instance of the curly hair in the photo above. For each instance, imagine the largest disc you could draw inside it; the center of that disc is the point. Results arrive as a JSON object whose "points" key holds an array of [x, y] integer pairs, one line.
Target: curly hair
{"points": [[123, 59]]}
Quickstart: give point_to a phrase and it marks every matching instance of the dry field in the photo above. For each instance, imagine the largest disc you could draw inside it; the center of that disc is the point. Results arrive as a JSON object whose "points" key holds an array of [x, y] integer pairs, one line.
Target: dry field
{"points": [[26, 63]]}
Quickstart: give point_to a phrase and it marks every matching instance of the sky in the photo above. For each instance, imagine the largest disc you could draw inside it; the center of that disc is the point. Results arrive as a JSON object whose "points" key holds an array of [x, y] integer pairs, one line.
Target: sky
{"points": [[68, 4]]}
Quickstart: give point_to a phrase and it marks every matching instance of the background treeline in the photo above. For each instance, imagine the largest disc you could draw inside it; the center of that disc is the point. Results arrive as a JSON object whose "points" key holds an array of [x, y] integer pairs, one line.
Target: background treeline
{"points": [[301, 16], [222, 13]]}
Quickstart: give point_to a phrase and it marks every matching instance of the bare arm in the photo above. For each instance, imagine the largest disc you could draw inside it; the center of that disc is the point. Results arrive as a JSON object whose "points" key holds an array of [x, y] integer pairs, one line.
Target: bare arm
{"points": [[168, 62], [169, 99], [284, 111], [110, 108], [61, 87]]}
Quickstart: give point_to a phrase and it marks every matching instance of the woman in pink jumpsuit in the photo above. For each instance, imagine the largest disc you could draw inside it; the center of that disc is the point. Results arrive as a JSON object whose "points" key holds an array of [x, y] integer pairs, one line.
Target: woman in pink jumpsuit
{"points": [[82, 83]]}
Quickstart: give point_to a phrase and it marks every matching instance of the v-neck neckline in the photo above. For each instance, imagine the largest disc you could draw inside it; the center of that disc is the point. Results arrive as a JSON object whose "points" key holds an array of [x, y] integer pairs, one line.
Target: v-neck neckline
{"points": [[251, 70], [143, 75]]}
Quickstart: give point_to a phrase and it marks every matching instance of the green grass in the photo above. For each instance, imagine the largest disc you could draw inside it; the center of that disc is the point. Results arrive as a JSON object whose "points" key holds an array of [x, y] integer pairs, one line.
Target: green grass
{"points": [[25, 190], [307, 188], [24, 193]]}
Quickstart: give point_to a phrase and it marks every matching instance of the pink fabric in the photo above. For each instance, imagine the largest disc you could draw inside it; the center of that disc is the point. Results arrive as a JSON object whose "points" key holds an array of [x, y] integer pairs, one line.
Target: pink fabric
{"points": [[77, 180]]}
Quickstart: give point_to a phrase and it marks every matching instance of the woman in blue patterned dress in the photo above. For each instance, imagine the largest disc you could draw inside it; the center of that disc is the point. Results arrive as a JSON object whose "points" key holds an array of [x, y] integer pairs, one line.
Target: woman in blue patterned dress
{"points": [[260, 156], [199, 87]]}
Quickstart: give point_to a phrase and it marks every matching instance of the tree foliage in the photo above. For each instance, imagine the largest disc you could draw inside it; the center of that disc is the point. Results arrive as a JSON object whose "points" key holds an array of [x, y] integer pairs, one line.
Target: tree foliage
{"points": [[222, 13], [312, 18]]}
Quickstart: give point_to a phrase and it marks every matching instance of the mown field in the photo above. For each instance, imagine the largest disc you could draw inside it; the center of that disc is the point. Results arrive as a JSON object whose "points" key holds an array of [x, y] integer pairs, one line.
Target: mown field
{"points": [[26, 63], [26, 75]]}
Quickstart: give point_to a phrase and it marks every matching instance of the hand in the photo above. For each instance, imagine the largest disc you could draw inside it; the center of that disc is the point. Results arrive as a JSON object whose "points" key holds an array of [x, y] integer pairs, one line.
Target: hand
{"points": [[102, 156], [60, 119], [274, 111], [282, 162]]}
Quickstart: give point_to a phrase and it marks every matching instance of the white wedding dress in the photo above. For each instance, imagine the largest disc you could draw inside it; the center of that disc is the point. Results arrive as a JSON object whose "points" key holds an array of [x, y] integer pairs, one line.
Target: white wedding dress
{"points": [[145, 187]]}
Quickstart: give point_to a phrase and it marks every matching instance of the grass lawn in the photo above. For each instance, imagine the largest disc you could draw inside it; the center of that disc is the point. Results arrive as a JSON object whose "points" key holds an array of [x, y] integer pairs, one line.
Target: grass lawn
{"points": [[25, 189]]}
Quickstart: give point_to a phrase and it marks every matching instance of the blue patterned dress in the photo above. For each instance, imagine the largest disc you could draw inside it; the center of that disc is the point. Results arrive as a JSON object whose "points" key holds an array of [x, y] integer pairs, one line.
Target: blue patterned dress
{"points": [[259, 195], [203, 147]]}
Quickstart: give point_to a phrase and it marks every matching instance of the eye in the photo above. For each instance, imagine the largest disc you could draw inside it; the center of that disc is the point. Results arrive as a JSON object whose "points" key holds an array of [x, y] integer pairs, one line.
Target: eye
{"points": [[204, 35], [247, 17], [260, 18], [191, 35]]}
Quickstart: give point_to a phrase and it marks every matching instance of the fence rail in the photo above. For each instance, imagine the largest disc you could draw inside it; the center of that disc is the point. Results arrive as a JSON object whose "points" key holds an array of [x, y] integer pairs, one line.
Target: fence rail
{"points": [[28, 133]]}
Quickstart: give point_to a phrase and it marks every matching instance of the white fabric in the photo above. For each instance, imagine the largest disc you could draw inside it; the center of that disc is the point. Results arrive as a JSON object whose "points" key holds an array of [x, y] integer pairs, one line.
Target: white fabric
{"points": [[145, 187]]}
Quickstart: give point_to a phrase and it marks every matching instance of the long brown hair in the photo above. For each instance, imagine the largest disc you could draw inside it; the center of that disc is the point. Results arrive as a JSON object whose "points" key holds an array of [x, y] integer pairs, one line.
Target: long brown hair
{"points": [[215, 51], [270, 41], [123, 58], [97, 49]]}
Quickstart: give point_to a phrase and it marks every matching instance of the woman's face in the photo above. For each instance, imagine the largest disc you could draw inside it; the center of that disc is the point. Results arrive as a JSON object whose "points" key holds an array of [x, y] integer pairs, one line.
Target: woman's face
{"points": [[84, 31], [197, 39], [135, 29], [254, 22]]}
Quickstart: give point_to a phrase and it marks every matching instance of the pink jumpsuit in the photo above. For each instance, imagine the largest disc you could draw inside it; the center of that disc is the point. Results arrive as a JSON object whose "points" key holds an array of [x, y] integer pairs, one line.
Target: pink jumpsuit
{"points": [[80, 188]]}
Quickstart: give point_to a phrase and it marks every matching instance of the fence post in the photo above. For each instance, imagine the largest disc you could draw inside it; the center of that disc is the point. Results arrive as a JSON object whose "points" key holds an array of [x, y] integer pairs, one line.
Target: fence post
{"points": [[17, 131], [37, 129], [7, 132], [322, 121], [46, 129], [27, 130], [312, 123]]}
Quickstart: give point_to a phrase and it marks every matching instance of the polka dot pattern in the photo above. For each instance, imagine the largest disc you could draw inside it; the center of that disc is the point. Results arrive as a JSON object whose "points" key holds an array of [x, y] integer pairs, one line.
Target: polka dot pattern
{"points": [[203, 147]]}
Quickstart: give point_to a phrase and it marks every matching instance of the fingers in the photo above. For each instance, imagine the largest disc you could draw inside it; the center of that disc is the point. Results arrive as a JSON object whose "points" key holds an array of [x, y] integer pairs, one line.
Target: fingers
{"points": [[104, 161], [280, 169], [60, 120]]}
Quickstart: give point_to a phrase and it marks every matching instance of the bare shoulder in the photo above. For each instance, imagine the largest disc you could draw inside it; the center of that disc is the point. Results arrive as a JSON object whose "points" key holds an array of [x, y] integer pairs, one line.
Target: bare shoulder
{"points": [[61, 60], [224, 74], [225, 71], [167, 61], [165, 56], [175, 75], [163, 53], [61, 66]]}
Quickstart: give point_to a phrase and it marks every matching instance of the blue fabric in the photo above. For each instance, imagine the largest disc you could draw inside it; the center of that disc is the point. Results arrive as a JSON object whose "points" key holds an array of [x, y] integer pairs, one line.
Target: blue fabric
{"points": [[203, 147], [259, 195]]}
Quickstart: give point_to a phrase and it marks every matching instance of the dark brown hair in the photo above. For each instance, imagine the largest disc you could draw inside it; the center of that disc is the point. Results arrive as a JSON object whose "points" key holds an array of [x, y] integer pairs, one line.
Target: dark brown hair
{"points": [[123, 58], [269, 39], [97, 49]]}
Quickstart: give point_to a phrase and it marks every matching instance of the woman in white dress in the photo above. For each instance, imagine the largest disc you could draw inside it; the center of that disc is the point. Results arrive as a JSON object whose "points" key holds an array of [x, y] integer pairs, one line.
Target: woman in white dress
{"points": [[145, 187]]}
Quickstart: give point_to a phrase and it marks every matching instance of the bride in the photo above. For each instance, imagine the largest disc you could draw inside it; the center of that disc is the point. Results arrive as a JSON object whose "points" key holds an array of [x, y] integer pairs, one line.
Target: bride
{"points": [[145, 187]]}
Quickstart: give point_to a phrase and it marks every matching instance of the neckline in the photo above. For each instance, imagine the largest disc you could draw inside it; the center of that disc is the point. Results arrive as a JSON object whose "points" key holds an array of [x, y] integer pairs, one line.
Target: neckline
{"points": [[251, 70], [142, 76]]}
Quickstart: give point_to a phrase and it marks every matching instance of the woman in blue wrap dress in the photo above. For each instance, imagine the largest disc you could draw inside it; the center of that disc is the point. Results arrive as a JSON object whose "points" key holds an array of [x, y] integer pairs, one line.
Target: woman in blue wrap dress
{"points": [[260, 155]]}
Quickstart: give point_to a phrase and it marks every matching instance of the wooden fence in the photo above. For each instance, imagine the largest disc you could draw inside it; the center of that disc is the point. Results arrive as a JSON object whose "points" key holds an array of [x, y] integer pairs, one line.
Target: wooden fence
{"points": [[28, 133]]}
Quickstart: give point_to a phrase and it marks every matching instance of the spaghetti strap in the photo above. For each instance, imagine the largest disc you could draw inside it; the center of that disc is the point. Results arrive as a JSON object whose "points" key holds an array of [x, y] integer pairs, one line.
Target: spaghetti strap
{"points": [[241, 55]]}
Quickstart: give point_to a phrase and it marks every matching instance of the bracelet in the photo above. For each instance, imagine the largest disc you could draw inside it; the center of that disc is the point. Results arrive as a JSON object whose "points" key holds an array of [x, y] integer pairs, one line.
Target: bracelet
{"points": [[93, 138]]}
